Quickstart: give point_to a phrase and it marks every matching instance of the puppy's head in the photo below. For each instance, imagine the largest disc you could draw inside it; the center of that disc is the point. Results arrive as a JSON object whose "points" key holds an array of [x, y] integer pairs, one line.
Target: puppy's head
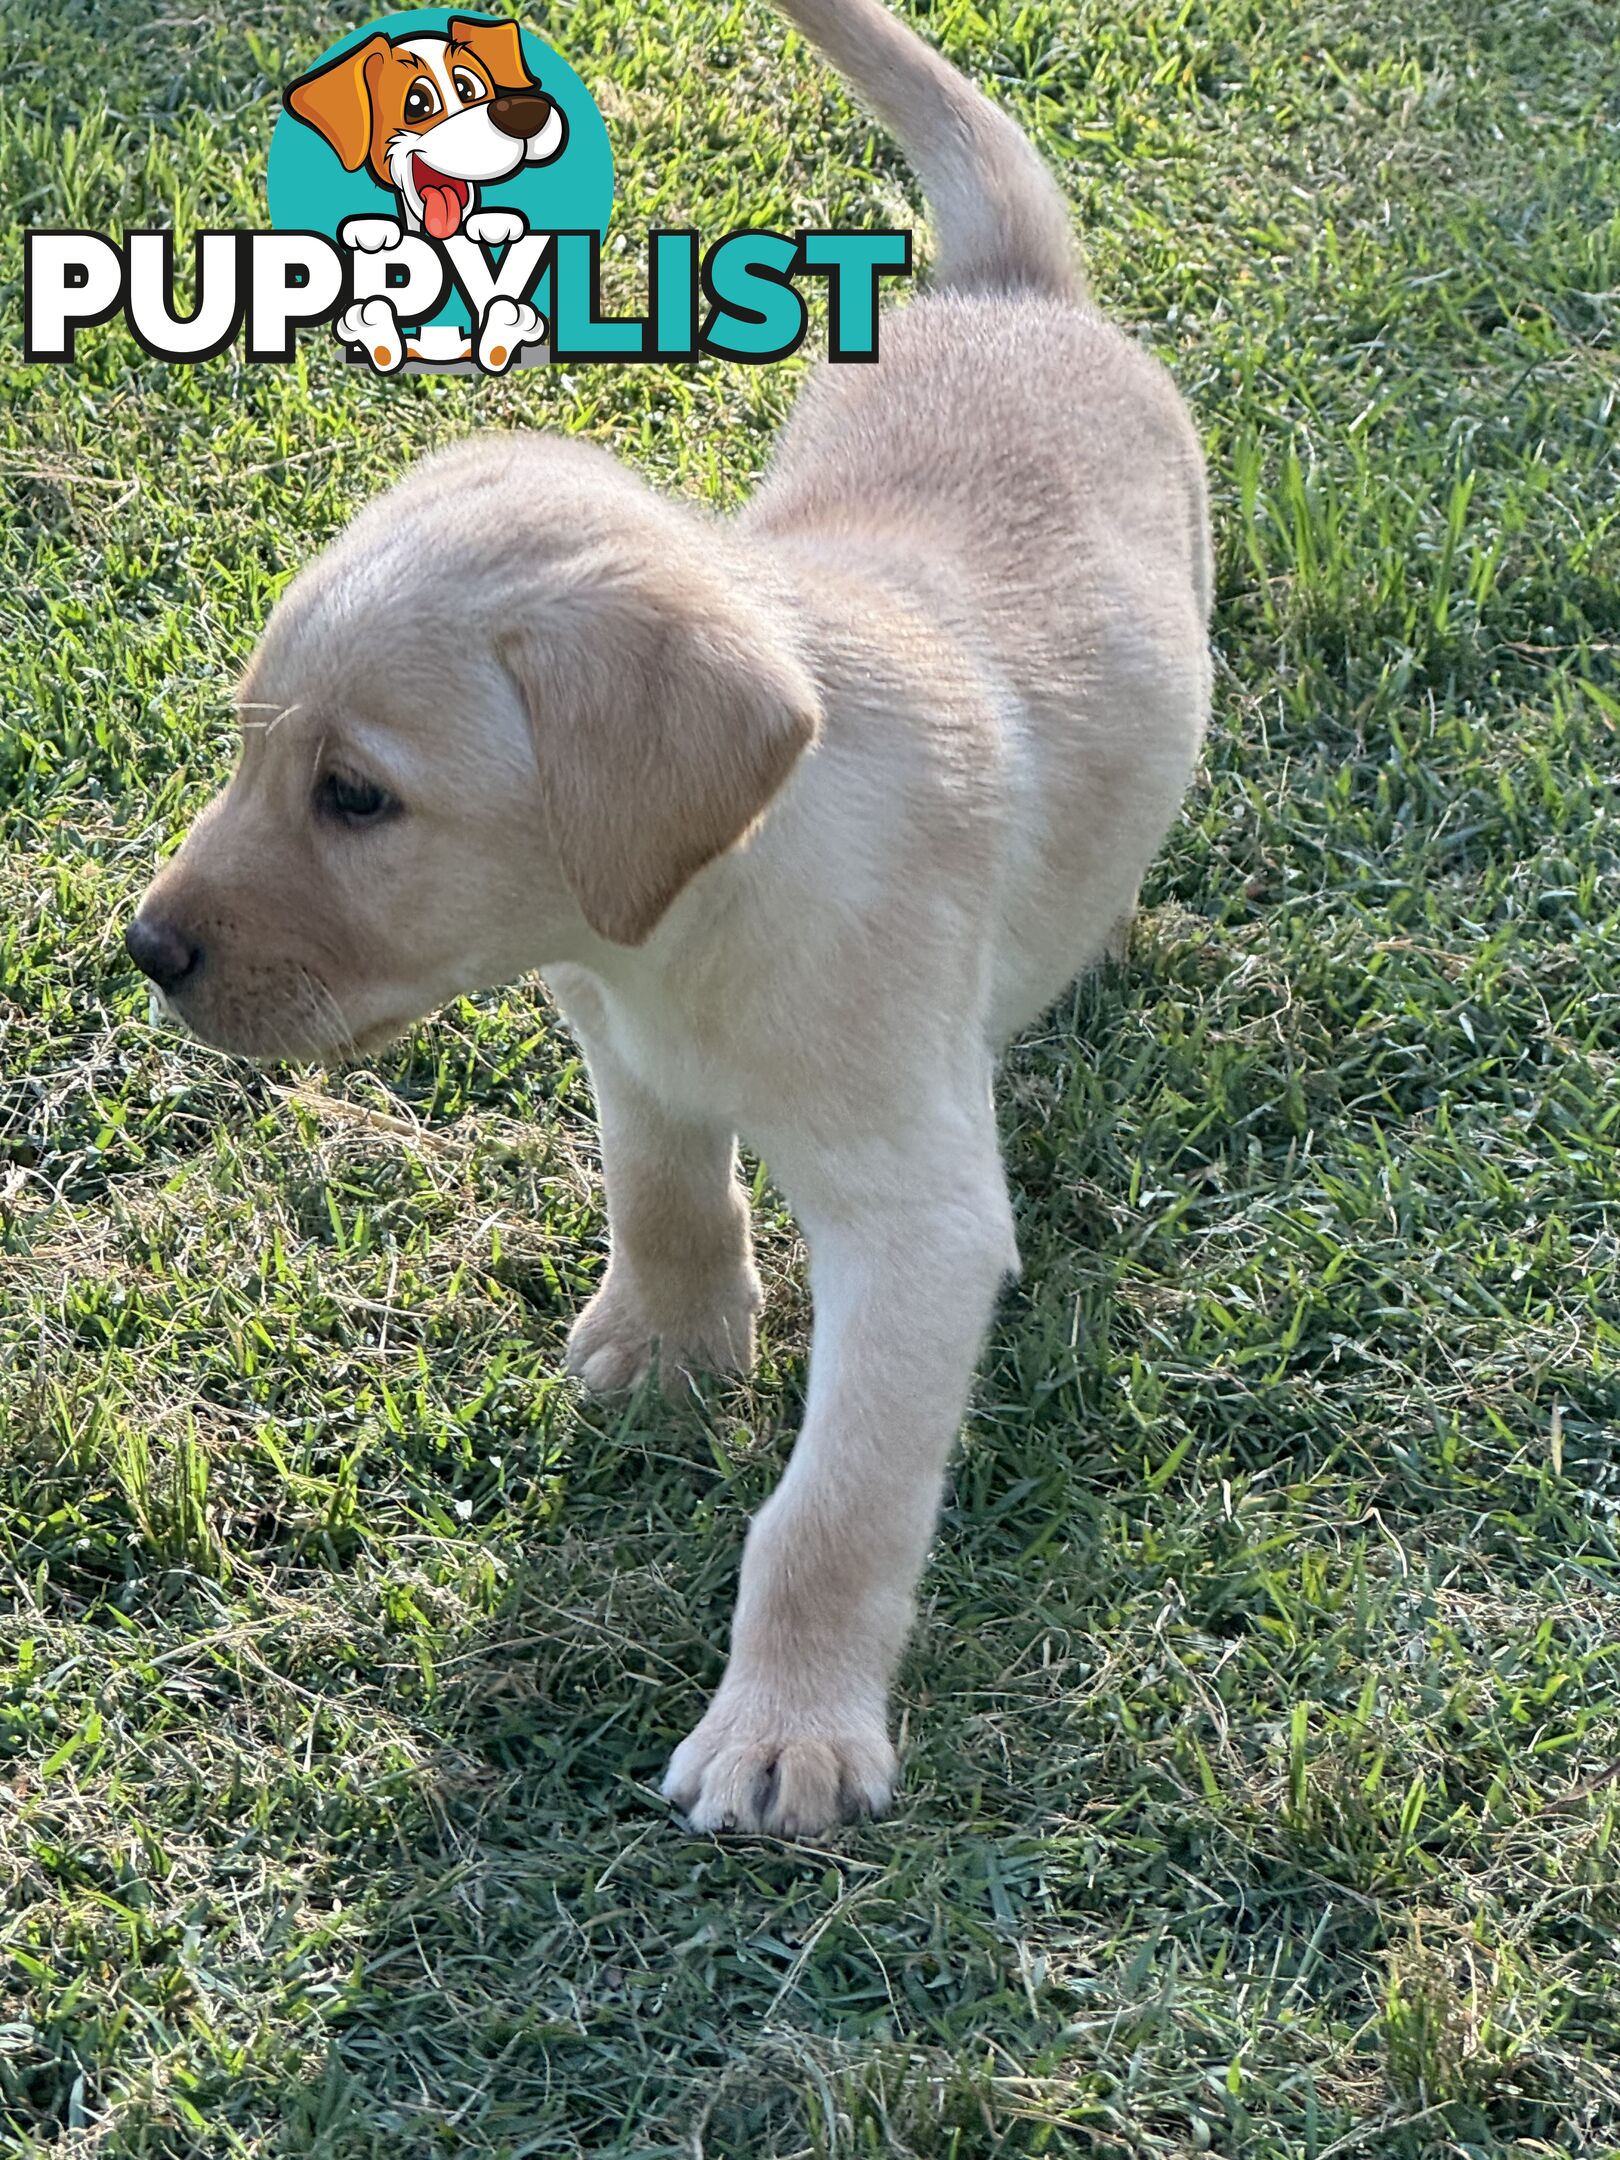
{"points": [[508, 716], [432, 116]]}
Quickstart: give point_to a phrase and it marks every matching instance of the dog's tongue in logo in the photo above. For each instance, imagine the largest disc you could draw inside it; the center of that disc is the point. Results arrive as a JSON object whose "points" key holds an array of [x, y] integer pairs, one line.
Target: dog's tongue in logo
{"points": [[443, 200], [443, 212]]}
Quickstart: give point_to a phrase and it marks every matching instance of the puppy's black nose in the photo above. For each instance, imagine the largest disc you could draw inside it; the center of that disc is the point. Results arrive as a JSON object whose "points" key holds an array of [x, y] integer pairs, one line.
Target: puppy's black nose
{"points": [[161, 951], [520, 112]]}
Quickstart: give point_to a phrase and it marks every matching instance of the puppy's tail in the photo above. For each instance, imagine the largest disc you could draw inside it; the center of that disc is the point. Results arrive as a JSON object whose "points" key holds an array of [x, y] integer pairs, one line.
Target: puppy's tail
{"points": [[1000, 224]]}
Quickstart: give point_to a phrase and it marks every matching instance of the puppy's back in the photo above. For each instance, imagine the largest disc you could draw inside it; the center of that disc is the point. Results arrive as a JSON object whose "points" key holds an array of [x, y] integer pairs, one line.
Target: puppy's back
{"points": [[1030, 442]]}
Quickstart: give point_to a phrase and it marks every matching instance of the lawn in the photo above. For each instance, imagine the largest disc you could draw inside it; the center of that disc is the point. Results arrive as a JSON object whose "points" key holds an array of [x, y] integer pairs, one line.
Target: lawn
{"points": [[1262, 1729]]}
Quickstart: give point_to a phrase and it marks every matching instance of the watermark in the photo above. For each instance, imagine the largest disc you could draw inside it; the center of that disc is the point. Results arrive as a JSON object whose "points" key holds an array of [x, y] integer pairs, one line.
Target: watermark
{"points": [[440, 185]]}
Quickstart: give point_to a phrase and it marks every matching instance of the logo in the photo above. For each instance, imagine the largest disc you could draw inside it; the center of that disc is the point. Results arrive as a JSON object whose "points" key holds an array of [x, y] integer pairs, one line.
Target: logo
{"points": [[439, 188], [432, 129]]}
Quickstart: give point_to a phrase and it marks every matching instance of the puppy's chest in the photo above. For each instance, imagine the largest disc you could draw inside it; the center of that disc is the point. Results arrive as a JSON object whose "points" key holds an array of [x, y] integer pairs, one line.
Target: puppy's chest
{"points": [[689, 1062], [683, 1065]]}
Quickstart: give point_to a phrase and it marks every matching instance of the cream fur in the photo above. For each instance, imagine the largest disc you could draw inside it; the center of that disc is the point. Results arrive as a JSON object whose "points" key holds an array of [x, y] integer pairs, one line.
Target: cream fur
{"points": [[802, 815]]}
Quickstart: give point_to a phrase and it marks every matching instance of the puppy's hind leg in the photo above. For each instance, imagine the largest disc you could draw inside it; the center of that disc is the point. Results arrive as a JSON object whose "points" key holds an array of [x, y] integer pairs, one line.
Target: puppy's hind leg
{"points": [[680, 1290], [909, 1242]]}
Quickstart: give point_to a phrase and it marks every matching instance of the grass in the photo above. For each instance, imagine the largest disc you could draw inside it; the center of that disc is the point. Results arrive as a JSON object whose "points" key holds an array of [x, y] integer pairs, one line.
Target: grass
{"points": [[1263, 1727]]}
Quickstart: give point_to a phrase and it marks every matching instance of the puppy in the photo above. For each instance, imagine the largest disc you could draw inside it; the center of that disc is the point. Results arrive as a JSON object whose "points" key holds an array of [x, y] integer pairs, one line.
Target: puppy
{"points": [[802, 815]]}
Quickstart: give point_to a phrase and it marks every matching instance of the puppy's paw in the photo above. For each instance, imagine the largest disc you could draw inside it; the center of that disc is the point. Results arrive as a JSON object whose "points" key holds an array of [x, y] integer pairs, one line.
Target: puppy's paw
{"points": [[496, 228], [371, 235], [620, 1335], [752, 1766], [374, 327], [508, 326]]}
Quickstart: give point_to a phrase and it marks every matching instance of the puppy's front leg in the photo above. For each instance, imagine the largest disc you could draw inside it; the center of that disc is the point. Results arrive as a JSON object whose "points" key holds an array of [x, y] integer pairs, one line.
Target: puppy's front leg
{"points": [[680, 1286], [907, 1249]]}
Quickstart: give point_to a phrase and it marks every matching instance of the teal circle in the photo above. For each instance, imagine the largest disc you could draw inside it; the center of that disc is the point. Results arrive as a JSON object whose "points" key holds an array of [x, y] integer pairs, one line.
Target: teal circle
{"points": [[309, 190]]}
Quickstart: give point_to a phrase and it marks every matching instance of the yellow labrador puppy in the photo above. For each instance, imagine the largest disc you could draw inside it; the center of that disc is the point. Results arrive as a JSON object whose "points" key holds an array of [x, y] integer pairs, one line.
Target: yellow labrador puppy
{"points": [[802, 815]]}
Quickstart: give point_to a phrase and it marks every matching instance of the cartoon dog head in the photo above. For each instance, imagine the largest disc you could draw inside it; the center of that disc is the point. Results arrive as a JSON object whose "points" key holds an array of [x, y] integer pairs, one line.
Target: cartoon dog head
{"points": [[433, 116]]}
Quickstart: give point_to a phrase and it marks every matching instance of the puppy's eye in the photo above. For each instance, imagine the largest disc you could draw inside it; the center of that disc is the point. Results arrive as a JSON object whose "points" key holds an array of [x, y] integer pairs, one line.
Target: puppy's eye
{"points": [[421, 100], [468, 88], [351, 801]]}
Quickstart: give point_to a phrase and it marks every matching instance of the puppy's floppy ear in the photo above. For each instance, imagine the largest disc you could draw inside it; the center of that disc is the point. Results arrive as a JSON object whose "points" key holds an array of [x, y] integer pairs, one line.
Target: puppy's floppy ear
{"points": [[498, 45], [663, 725], [335, 100]]}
